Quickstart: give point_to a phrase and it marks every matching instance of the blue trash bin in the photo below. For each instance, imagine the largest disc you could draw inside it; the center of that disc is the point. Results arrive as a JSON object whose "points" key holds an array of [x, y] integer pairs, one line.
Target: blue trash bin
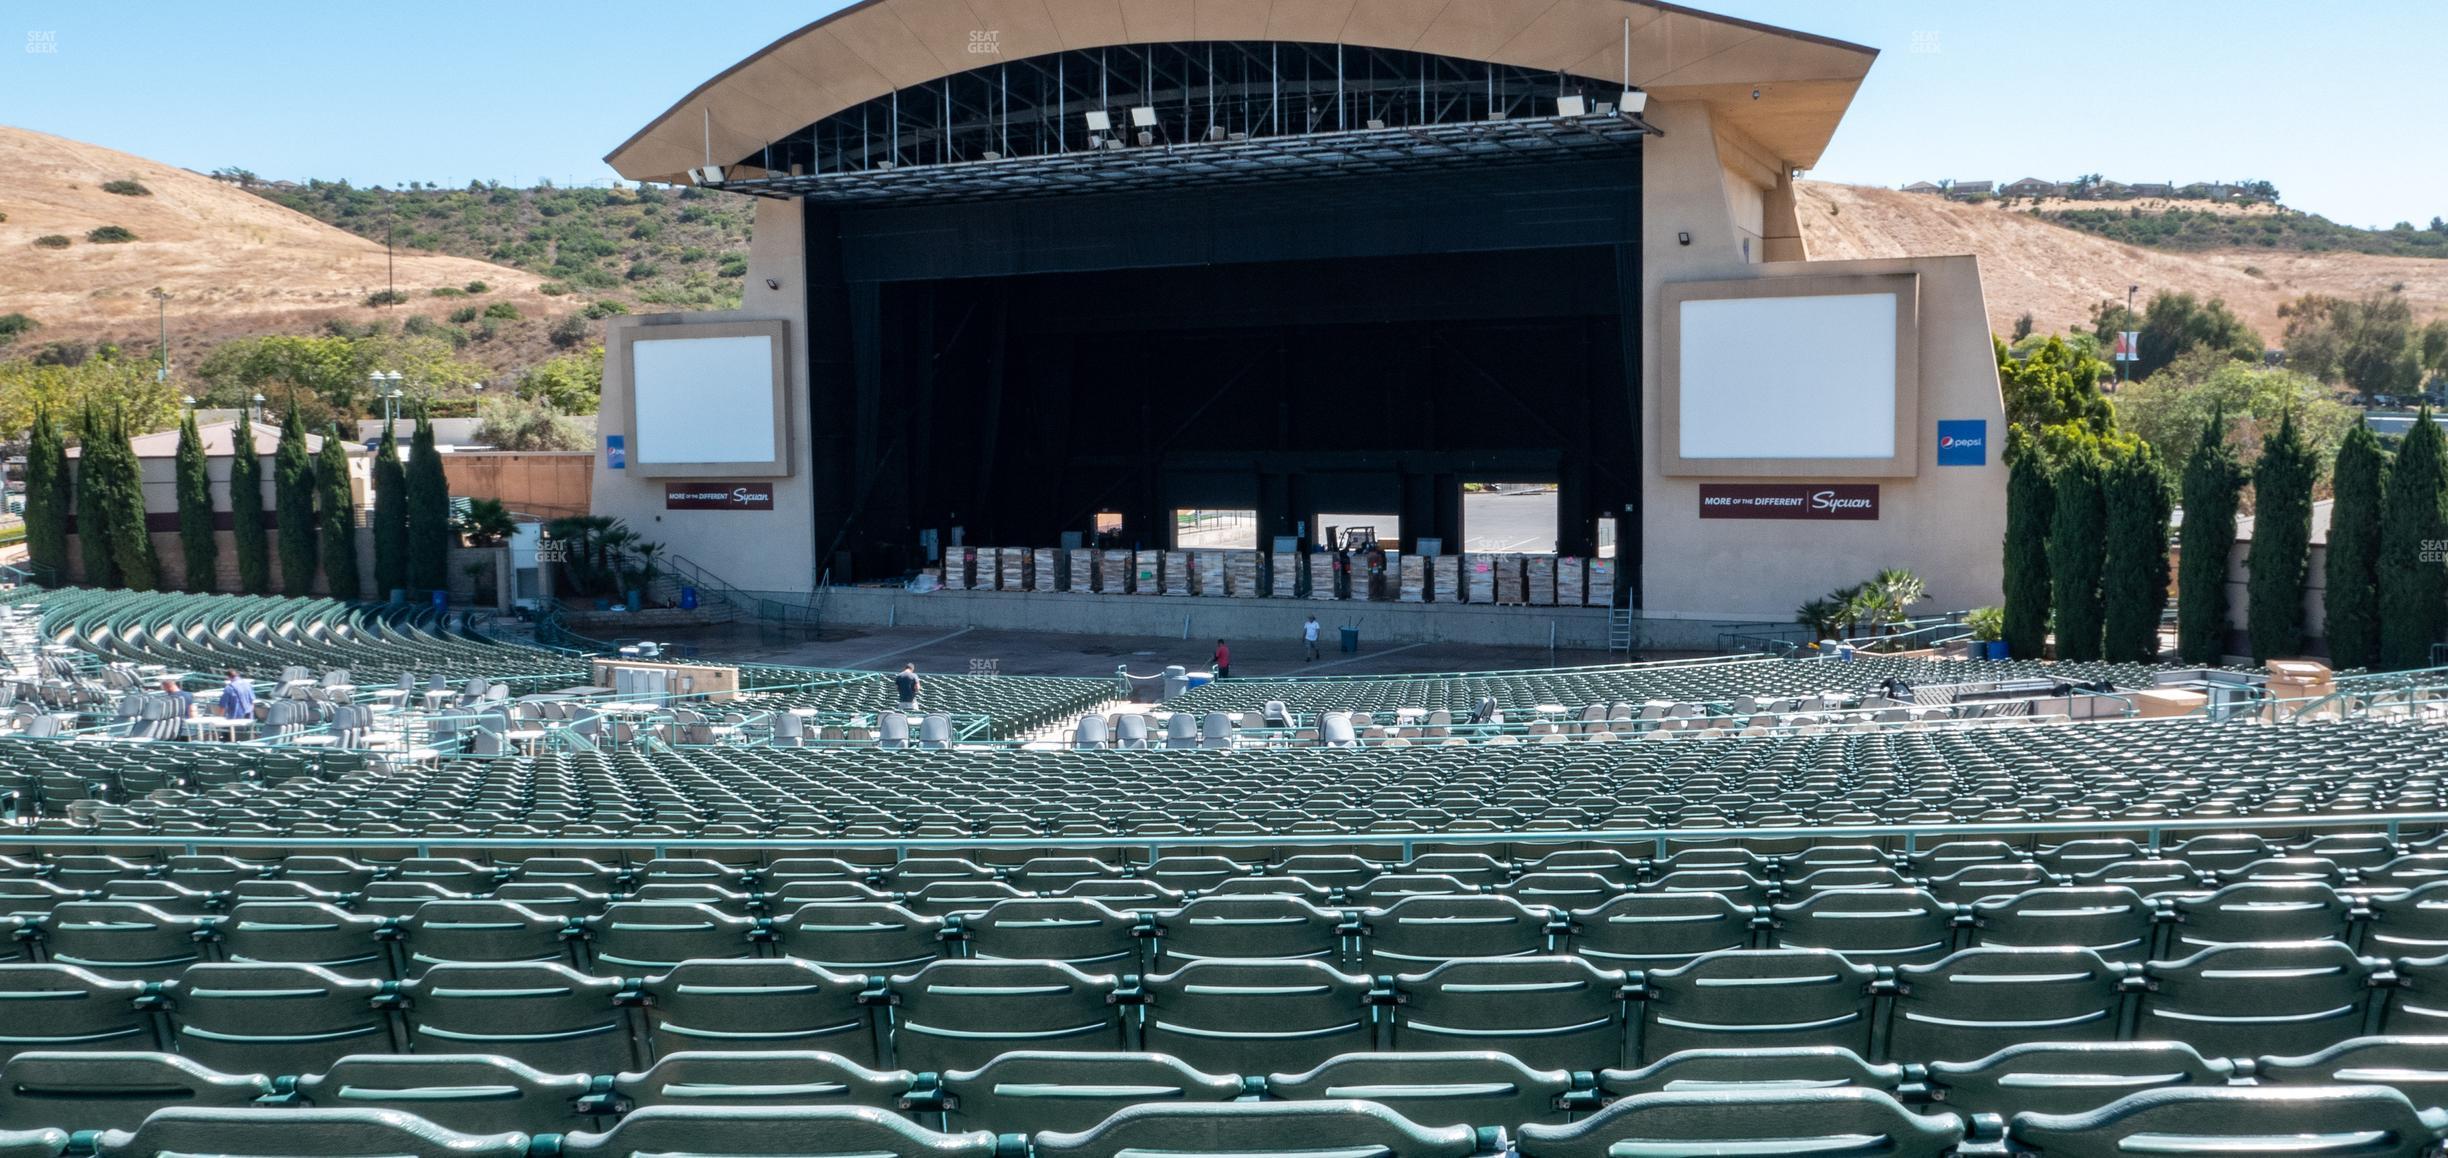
{"points": [[1351, 640], [688, 599]]}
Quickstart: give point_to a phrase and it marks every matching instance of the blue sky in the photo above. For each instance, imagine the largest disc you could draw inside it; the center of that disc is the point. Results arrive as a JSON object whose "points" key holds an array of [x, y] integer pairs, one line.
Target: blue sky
{"points": [[2342, 105]]}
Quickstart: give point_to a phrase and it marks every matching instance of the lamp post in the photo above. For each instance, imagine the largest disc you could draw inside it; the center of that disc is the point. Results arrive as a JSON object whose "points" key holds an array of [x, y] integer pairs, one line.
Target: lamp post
{"points": [[162, 308], [386, 386], [258, 400]]}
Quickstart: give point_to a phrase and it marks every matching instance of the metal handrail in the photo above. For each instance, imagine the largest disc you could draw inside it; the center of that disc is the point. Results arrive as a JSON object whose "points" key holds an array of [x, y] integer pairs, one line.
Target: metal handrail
{"points": [[2392, 823]]}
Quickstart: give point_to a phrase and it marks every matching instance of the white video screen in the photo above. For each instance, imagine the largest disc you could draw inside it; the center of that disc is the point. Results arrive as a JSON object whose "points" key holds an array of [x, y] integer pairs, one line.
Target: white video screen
{"points": [[704, 400], [1794, 377]]}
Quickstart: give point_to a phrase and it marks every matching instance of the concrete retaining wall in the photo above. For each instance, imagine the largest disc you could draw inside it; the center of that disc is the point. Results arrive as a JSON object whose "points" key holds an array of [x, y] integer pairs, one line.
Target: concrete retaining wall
{"points": [[1158, 615]]}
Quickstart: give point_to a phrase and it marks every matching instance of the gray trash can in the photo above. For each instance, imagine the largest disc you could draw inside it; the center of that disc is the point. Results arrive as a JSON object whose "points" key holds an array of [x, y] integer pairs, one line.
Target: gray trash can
{"points": [[1351, 640]]}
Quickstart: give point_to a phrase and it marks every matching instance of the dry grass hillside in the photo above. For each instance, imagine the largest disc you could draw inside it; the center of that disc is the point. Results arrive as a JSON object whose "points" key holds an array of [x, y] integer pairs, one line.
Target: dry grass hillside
{"points": [[236, 263], [2057, 274]]}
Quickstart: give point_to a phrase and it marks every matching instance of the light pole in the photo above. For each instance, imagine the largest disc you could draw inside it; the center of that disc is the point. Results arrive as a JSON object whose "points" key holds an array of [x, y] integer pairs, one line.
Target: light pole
{"points": [[2131, 288], [386, 386], [162, 307], [258, 400]]}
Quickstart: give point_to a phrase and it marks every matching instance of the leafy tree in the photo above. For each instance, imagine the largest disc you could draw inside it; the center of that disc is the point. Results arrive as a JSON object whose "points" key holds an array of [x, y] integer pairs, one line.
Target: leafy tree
{"points": [[2023, 326], [528, 424], [338, 517], [2281, 543], [486, 523], [131, 541], [2367, 344], [2213, 486], [65, 382], [2171, 410], [2077, 550], [247, 534], [2054, 385], [570, 383], [48, 497], [390, 517], [2030, 506], [2413, 527], [2432, 342], [2174, 324], [2351, 604], [93, 504], [2134, 559], [197, 548], [293, 496], [429, 531]]}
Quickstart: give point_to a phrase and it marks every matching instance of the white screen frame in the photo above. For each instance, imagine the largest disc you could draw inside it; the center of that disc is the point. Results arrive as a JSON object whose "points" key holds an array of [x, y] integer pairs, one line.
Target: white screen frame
{"points": [[1777, 339], [734, 427]]}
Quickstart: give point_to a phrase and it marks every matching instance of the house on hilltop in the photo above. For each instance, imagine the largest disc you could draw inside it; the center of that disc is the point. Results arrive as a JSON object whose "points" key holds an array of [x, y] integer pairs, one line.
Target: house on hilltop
{"points": [[1962, 189], [1925, 187], [2034, 187]]}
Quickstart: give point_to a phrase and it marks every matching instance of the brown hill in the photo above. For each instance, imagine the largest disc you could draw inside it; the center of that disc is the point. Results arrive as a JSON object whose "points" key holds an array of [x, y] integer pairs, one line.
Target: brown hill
{"points": [[2057, 274], [234, 262]]}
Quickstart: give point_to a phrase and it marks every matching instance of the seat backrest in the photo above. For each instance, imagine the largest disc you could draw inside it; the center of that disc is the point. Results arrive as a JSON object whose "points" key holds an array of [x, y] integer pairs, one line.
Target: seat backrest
{"points": [[1026, 1091], [546, 1015], [1762, 997], [2258, 911], [2053, 1077], [274, 1018], [1249, 927], [2372, 1121], [1258, 1016], [2414, 1066], [307, 933], [1660, 930], [1886, 927], [1077, 932], [1800, 1067], [2113, 921], [1551, 1012], [302, 1133], [756, 1005], [1418, 932], [494, 932], [1328, 1127], [1824, 1121], [762, 1079], [1981, 1000], [1436, 1089], [113, 1090], [958, 1014], [471, 1093], [59, 1007], [630, 938], [689, 1131], [2252, 998], [859, 936]]}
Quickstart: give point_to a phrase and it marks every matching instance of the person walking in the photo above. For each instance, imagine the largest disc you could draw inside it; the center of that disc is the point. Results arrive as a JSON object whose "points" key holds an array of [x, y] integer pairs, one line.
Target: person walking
{"points": [[182, 705], [1309, 634], [906, 685], [237, 697], [1223, 661]]}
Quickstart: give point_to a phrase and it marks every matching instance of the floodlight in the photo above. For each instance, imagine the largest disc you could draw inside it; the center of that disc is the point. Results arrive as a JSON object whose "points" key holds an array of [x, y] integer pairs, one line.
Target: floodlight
{"points": [[1634, 101], [1143, 117], [1099, 121], [1572, 106]]}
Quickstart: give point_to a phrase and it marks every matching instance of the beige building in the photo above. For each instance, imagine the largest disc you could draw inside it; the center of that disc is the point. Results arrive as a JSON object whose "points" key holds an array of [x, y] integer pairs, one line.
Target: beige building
{"points": [[1018, 270]]}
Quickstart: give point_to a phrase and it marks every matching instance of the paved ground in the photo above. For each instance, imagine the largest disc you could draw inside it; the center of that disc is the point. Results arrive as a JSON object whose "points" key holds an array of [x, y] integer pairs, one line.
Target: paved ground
{"points": [[957, 652]]}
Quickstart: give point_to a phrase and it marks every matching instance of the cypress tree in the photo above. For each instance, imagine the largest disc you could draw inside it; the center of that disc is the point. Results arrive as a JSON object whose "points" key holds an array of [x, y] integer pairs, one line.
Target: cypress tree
{"points": [[2351, 602], [2077, 551], [195, 508], [48, 496], [93, 504], [293, 495], [2213, 483], [2134, 564], [390, 517], [2413, 532], [2030, 506], [2282, 542], [429, 529], [130, 539], [247, 534], [339, 518]]}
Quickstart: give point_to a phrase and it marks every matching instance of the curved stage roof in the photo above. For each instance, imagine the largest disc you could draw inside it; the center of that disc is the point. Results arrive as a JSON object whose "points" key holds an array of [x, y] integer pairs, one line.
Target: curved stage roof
{"points": [[1784, 89]]}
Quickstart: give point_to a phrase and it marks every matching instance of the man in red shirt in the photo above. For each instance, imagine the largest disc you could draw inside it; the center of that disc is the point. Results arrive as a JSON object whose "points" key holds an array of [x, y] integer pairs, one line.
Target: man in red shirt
{"points": [[1223, 661]]}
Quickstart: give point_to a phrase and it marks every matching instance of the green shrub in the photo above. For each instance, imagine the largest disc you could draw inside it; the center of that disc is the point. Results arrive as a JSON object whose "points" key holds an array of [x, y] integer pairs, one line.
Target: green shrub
{"points": [[733, 265], [605, 308], [502, 311], [642, 269], [570, 331], [552, 289], [52, 241], [463, 315], [478, 287], [110, 234], [448, 291], [14, 326], [418, 325], [385, 297], [127, 188], [3, 218]]}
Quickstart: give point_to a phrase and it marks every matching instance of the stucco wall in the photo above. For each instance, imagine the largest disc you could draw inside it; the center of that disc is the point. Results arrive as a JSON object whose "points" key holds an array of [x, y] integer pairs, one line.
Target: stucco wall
{"points": [[1946, 524], [547, 484], [766, 550]]}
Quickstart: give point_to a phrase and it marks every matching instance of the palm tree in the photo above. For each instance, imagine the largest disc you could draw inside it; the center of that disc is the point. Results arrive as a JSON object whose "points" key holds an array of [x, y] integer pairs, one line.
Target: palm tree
{"points": [[486, 523]]}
